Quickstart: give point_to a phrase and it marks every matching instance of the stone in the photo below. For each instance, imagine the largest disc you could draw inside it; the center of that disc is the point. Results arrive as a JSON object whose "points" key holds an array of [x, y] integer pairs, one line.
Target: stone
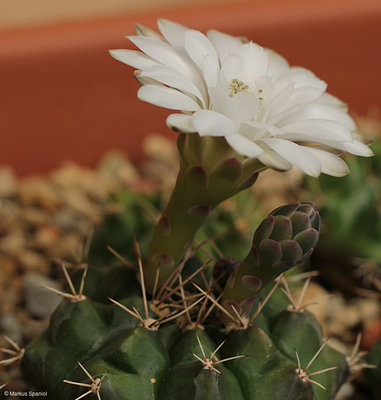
{"points": [[45, 237], [40, 302], [13, 243], [38, 192], [31, 261], [8, 270], [11, 326], [8, 182]]}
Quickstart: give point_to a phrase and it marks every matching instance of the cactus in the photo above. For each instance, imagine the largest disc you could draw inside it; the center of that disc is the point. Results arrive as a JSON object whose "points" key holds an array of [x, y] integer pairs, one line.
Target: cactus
{"points": [[166, 323], [138, 347]]}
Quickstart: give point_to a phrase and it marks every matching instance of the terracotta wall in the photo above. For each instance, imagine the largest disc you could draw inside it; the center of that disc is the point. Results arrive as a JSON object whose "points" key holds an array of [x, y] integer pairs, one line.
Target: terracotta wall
{"points": [[63, 97], [21, 13]]}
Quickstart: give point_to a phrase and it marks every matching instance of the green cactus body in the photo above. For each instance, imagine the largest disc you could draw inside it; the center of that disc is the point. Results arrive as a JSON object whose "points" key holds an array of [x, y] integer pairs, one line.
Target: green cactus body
{"points": [[132, 360], [145, 364]]}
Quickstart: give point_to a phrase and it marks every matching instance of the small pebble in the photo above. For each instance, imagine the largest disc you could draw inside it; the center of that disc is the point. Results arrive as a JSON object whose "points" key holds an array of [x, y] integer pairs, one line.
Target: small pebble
{"points": [[40, 302], [31, 261], [8, 182], [12, 327]]}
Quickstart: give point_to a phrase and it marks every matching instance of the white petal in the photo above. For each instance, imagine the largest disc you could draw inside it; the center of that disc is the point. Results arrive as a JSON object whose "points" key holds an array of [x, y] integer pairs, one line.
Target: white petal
{"points": [[278, 65], [297, 155], [167, 55], [231, 68], [277, 101], [167, 97], [243, 107], [321, 111], [198, 46], [144, 80], [274, 160], [254, 132], [317, 130], [181, 123], [209, 71], [244, 146], [172, 78], [223, 43], [134, 58], [331, 164], [302, 77], [254, 60], [173, 32], [304, 95], [331, 100], [147, 32], [212, 123], [273, 130], [354, 147], [288, 100], [357, 148]]}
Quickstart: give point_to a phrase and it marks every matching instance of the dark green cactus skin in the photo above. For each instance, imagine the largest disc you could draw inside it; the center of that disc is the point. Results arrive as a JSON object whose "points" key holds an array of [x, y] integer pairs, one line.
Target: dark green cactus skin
{"points": [[159, 365], [119, 227], [105, 338], [284, 239], [291, 330], [223, 225]]}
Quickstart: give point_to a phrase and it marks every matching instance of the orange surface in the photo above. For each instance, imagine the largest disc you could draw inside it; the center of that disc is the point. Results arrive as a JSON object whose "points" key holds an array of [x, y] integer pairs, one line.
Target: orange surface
{"points": [[22, 13], [63, 97]]}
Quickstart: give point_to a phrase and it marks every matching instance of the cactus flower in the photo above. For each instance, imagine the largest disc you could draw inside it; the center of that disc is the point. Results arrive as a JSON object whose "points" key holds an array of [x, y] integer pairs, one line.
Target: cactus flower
{"points": [[228, 87]]}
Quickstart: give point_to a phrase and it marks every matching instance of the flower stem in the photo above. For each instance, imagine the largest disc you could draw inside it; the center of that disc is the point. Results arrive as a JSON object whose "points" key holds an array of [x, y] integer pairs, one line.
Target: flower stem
{"points": [[208, 175]]}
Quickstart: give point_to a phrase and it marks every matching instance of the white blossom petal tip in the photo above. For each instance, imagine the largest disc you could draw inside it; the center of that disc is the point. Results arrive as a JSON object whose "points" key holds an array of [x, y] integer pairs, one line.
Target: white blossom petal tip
{"points": [[167, 97], [228, 87], [212, 123], [244, 146], [331, 164], [358, 148], [142, 30], [181, 123]]}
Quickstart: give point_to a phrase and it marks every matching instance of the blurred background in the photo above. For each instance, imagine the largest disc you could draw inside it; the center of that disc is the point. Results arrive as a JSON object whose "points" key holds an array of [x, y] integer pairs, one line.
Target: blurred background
{"points": [[21, 13], [63, 97]]}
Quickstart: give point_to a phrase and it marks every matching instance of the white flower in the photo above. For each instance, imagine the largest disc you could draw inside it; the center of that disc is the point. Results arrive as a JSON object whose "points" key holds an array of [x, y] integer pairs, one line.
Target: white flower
{"points": [[227, 87]]}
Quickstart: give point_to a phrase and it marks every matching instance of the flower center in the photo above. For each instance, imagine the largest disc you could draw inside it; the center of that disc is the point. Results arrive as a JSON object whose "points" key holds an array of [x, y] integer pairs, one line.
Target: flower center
{"points": [[237, 86]]}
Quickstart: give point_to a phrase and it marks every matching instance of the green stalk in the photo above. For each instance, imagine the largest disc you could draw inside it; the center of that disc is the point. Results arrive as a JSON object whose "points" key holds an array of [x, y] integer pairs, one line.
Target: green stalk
{"points": [[210, 172]]}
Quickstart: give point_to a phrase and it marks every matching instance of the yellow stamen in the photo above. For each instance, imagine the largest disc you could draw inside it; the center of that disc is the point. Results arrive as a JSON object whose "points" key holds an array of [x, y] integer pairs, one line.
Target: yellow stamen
{"points": [[237, 86]]}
